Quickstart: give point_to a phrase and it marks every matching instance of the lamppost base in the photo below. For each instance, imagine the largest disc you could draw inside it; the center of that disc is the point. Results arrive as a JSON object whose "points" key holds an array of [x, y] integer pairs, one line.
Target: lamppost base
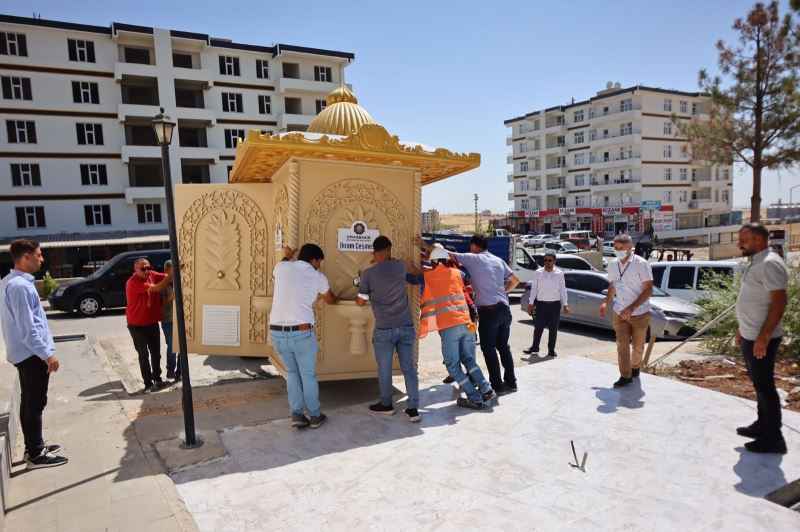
{"points": [[176, 455], [197, 444]]}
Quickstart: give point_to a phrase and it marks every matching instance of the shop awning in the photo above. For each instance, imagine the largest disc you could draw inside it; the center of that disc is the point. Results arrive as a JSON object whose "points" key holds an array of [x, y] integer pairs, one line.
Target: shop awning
{"points": [[108, 238]]}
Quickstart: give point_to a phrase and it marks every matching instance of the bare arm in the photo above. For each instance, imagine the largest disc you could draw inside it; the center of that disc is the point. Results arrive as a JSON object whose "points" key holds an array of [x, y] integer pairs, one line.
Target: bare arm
{"points": [[776, 309], [612, 289], [329, 298], [412, 269], [511, 283], [161, 285]]}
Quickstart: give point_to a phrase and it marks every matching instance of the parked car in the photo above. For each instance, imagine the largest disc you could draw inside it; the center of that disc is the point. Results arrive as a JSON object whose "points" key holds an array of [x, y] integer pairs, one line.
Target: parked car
{"points": [[586, 291], [583, 239], [525, 263], [608, 248], [539, 240], [684, 279], [105, 288], [561, 246]]}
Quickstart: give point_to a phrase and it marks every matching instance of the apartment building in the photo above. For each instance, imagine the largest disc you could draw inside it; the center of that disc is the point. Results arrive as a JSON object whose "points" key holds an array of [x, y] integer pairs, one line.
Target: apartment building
{"points": [[79, 157], [430, 220], [616, 162]]}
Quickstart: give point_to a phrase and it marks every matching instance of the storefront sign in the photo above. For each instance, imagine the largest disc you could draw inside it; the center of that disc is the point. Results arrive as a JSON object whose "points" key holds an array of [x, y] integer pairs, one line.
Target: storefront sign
{"points": [[651, 205], [567, 211], [611, 211], [532, 214], [663, 221], [620, 218], [777, 237], [357, 237]]}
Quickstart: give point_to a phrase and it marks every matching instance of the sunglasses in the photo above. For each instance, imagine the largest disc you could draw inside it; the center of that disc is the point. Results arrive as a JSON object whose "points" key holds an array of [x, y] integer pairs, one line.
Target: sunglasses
{"points": [[145, 268]]}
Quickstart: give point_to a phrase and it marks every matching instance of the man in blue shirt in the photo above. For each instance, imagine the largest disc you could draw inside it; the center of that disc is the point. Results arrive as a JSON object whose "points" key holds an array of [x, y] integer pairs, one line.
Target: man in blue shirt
{"points": [[30, 347]]}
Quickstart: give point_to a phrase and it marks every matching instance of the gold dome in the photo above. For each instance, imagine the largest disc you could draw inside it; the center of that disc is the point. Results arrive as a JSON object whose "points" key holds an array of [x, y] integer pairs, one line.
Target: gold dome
{"points": [[342, 115]]}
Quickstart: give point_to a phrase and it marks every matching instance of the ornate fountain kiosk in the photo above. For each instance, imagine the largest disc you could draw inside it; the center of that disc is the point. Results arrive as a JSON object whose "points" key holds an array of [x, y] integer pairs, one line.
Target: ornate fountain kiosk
{"points": [[339, 185]]}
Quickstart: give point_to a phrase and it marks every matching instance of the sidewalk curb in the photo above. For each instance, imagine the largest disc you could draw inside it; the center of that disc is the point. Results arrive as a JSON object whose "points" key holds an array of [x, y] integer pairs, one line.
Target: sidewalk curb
{"points": [[165, 483]]}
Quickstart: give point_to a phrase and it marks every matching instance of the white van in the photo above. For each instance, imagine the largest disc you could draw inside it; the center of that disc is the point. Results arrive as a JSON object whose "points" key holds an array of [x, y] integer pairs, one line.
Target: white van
{"points": [[523, 264], [684, 279]]}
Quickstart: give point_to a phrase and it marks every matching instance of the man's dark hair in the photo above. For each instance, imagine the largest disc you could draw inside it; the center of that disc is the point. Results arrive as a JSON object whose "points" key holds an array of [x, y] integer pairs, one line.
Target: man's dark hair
{"points": [[381, 243], [22, 246], [757, 229], [310, 252], [481, 241]]}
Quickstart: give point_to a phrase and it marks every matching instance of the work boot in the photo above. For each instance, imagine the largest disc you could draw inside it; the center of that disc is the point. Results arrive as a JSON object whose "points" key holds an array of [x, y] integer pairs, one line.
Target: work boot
{"points": [[767, 445], [751, 431]]}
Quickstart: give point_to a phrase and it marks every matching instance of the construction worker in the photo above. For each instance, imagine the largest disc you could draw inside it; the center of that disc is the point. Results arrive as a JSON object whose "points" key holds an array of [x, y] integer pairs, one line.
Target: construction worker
{"points": [[443, 307]]}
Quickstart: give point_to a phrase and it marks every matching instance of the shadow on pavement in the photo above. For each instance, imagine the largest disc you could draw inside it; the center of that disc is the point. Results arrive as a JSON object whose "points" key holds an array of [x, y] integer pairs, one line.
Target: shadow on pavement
{"points": [[612, 399]]}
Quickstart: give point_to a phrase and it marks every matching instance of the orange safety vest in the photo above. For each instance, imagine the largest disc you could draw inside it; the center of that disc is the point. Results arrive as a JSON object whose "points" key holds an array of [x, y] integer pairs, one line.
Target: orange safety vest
{"points": [[443, 304]]}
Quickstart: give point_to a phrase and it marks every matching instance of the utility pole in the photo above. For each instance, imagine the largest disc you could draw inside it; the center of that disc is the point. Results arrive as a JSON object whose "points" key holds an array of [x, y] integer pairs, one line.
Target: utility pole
{"points": [[477, 227]]}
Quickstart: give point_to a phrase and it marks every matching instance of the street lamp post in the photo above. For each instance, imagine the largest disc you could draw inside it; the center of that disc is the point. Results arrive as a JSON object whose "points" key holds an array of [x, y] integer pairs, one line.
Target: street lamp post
{"points": [[164, 128]]}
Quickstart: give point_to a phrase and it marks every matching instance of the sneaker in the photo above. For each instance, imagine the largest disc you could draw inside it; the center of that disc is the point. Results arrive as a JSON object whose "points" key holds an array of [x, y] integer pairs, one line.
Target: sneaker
{"points": [[751, 431], [466, 402], [46, 460], [634, 372], [501, 391], [316, 421], [412, 414], [511, 387], [553, 354], [148, 389], [623, 381], [488, 396], [299, 420], [380, 408], [158, 385], [764, 445], [448, 380], [531, 351], [49, 449]]}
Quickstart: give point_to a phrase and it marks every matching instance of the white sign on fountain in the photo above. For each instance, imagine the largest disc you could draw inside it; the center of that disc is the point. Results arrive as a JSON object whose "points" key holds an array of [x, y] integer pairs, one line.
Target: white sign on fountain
{"points": [[357, 237]]}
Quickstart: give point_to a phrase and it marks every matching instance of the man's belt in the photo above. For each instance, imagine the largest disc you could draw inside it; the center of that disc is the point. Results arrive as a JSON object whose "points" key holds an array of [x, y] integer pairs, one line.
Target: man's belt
{"points": [[492, 306], [291, 328]]}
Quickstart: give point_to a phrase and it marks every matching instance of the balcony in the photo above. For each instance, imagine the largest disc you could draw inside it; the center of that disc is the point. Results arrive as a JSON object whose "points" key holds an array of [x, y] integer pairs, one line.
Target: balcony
{"points": [[511, 196], [700, 203], [633, 113], [208, 116], [555, 186], [701, 177], [304, 85], [631, 136], [206, 77], [635, 159], [147, 152], [633, 183], [533, 132], [134, 69], [556, 125], [615, 203], [556, 166], [143, 193], [509, 142], [126, 111], [208, 154], [510, 177]]}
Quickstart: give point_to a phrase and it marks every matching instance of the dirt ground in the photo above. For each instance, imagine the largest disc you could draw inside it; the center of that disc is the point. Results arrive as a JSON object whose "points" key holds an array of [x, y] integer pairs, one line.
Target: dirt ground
{"points": [[730, 376]]}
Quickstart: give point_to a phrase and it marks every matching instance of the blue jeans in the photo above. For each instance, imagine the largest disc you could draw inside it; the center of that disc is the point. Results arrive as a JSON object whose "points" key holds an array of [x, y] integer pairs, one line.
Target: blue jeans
{"points": [[458, 347], [173, 362], [385, 342], [298, 351]]}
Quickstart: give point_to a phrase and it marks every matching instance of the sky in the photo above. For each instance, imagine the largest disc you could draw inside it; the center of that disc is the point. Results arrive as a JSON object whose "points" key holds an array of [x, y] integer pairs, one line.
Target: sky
{"points": [[448, 73]]}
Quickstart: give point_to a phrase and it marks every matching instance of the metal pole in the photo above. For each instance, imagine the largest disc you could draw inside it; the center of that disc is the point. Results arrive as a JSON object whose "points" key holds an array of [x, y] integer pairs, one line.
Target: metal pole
{"points": [[791, 208], [186, 389]]}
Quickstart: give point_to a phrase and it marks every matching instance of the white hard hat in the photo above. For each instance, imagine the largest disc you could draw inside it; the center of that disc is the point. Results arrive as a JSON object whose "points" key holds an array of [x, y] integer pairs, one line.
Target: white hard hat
{"points": [[438, 245], [440, 254]]}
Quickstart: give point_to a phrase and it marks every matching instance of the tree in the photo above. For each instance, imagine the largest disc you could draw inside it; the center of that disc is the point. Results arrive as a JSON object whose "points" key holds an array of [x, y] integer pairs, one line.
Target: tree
{"points": [[756, 119]]}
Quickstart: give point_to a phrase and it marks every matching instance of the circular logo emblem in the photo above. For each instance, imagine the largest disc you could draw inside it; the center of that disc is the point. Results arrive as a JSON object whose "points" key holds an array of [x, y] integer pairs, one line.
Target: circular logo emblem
{"points": [[359, 228]]}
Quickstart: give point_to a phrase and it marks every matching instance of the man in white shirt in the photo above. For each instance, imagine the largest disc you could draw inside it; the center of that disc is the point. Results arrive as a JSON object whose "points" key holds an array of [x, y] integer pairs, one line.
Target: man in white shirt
{"points": [[291, 325], [548, 295], [630, 284]]}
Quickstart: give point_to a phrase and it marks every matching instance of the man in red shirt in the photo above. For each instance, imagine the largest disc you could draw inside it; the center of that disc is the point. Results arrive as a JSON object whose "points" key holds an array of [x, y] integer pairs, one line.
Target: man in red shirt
{"points": [[143, 292]]}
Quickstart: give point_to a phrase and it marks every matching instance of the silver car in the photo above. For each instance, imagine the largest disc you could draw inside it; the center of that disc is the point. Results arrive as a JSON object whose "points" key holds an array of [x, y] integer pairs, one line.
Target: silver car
{"points": [[586, 291]]}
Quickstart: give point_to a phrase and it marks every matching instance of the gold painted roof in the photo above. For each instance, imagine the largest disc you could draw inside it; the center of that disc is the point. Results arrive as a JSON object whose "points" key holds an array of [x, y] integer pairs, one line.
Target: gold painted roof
{"points": [[342, 115]]}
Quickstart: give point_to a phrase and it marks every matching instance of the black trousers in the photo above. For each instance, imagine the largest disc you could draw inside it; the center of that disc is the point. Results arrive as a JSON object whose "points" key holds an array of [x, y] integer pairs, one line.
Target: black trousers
{"points": [[33, 382], [548, 314], [148, 338], [762, 374], [494, 328]]}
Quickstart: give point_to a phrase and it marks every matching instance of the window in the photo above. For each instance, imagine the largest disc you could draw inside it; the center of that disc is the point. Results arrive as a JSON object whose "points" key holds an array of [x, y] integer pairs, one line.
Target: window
{"points": [[321, 104], [580, 180], [262, 69], [523, 260], [681, 277], [707, 271], [626, 128], [591, 113], [524, 185], [85, 92], [725, 174], [577, 116], [667, 174], [668, 128], [523, 147], [82, 51], [93, 174], [21, 131], [716, 196], [139, 56], [25, 175], [523, 166], [684, 151], [524, 204], [592, 134], [626, 105], [725, 196], [658, 275], [683, 174], [149, 213], [13, 44], [15, 88], [91, 134], [684, 106], [232, 102], [578, 137], [668, 196], [667, 104], [293, 106], [582, 282], [231, 135], [667, 151], [580, 201], [97, 214], [322, 73], [682, 196], [30, 217], [181, 60], [229, 66], [580, 158], [265, 104], [523, 129]]}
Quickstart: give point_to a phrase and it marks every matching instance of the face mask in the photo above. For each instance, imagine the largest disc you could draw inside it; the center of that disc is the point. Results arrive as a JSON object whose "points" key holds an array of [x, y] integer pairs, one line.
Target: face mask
{"points": [[621, 254]]}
